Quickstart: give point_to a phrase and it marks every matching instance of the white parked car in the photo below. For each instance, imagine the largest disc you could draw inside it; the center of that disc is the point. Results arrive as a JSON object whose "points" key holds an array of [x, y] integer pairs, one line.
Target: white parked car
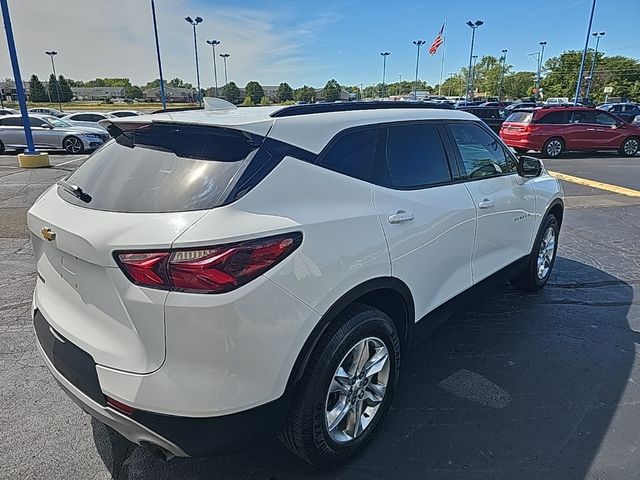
{"points": [[125, 113], [212, 277], [54, 112], [50, 133], [88, 119]]}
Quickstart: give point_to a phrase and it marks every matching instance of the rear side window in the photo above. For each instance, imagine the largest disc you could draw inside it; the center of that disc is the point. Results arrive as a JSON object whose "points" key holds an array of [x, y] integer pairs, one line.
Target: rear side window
{"points": [[414, 158], [520, 117], [11, 122], [163, 168], [352, 154], [552, 118]]}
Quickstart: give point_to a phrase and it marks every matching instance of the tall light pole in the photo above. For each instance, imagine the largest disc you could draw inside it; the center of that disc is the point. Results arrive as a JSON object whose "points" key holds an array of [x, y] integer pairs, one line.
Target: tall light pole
{"points": [[584, 54], [52, 54], [540, 61], [504, 66], [451, 74], [595, 59], [474, 26], [224, 57], [418, 44], [399, 84], [194, 22], [155, 31], [473, 74], [384, 70], [213, 44], [536, 55]]}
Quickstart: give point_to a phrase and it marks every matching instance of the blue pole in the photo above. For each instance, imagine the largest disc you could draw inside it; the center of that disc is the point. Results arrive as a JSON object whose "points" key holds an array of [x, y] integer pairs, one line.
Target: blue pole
{"points": [[155, 30], [584, 54], [195, 47], [16, 76]]}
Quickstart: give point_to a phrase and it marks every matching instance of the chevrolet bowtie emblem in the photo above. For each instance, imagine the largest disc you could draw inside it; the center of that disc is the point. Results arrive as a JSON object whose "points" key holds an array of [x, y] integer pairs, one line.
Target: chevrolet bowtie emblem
{"points": [[47, 234]]}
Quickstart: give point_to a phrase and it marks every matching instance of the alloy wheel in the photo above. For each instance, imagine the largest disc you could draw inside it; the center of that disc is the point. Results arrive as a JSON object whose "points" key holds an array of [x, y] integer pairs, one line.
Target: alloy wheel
{"points": [[73, 145], [357, 390], [554, 148], [546, 253], [631, 147]]}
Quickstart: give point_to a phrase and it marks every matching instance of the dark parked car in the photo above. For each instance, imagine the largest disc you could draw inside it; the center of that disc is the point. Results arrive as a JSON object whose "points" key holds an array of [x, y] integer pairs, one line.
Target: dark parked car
{"points": [[492, 116], [626, 111]]}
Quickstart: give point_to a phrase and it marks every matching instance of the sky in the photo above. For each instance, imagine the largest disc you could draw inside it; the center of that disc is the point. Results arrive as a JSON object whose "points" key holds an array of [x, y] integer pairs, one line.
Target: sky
{"points": [[302, 42]]}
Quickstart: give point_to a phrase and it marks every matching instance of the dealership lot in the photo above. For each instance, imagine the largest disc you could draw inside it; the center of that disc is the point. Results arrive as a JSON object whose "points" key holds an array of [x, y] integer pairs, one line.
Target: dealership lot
{"points": [[521, 386]]}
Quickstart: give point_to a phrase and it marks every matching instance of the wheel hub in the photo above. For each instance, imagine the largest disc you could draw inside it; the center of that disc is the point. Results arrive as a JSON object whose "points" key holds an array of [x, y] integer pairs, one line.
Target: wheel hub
{"points": [[546, 253]]}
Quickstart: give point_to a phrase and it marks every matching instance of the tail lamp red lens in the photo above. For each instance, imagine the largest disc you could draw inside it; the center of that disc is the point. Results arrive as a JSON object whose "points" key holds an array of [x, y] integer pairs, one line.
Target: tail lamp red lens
{"points": [[215, 269], [121, 407]]}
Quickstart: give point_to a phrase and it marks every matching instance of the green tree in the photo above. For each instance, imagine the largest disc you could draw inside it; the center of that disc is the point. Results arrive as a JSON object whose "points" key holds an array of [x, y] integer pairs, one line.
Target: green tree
{"points": [[248, 102], [265, 101], [66, 95], [304, 94], [37, 93], [284, 92], [331, 91], [231, 93], [153, 84], [54, 89], [254, 91], [519, 85], [133, 91]]}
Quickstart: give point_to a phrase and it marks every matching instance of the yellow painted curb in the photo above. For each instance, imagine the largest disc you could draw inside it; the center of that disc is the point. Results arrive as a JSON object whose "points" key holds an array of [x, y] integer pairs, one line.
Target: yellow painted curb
{"points": [[33, 160], [629, 192]]}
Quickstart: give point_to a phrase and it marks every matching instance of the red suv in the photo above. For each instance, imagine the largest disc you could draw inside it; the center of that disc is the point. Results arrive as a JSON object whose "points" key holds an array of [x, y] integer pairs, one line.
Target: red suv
{"points": [[553, 130]]}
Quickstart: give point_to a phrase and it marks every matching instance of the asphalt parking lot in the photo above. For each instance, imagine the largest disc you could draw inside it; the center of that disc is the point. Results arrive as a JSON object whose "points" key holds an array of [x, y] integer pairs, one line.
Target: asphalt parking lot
{"points": [[543, 386]]}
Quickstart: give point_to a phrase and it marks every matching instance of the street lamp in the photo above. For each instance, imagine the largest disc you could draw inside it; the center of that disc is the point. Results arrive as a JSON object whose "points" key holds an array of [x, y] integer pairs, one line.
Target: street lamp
{"points": [[224, 57], [194, 22], [595, 59], [584, 54], [52, 54], [504, 66], [384, 70], [474, 26], [213, 44], [155, 31], [540, 61], [473, 73], [418, 44]]}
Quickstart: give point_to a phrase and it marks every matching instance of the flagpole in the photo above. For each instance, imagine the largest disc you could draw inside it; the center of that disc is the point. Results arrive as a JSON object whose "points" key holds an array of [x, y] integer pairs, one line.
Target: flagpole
{"points": [[444, 49]]}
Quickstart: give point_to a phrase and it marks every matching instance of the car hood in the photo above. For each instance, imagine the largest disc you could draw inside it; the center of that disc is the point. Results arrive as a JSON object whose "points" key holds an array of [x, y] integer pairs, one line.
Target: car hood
{"points": [[82, 129]]}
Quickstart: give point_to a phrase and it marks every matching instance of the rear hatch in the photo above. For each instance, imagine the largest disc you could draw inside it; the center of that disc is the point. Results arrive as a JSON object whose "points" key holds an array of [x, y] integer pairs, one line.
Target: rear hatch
{"points": [[140, 192]]}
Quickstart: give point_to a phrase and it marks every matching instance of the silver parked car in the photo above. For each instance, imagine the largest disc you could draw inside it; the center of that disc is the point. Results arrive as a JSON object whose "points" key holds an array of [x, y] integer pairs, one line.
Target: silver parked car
{"points": [[47, 111], [50, 133], [88, 119]]}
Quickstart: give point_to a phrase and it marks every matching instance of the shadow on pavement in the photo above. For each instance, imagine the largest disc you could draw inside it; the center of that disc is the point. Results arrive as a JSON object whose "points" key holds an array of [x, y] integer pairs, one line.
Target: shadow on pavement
{"points": [[521, 386]]}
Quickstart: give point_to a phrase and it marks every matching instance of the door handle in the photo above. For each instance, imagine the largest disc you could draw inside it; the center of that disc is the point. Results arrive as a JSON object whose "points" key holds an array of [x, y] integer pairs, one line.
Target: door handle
{"points": [[400, 216], [486, 203]]}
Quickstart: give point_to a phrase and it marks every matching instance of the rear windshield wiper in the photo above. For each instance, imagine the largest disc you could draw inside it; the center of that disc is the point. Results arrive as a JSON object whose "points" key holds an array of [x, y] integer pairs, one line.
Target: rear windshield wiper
{"points": [[74, 190]]}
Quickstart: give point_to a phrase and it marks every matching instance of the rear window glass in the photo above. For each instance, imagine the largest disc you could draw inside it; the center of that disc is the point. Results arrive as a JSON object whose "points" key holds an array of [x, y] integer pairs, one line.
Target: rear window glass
{"points": [[554, 118], [520, 117], [163, 168]]}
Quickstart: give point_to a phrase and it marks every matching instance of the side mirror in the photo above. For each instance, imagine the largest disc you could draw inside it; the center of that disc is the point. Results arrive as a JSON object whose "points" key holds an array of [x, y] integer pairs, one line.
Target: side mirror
{"points": [[529, 166]]}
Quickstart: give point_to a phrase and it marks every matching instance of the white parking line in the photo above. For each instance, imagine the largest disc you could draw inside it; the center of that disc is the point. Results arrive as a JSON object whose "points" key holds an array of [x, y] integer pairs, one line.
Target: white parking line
{"points": [[69, 161]]}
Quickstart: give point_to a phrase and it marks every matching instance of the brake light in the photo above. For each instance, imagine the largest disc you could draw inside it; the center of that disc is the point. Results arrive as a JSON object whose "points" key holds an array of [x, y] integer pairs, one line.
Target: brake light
{"points": [[215, 269], [121, 407]]}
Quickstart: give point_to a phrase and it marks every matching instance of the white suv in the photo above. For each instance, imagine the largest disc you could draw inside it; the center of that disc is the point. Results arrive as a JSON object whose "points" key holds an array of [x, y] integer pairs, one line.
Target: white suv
{"points": [[210, 277]]}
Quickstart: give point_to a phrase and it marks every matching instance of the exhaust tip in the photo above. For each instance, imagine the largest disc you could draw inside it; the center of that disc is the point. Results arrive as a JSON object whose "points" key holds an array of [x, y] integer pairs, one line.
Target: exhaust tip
{"points": [[157, 451]]}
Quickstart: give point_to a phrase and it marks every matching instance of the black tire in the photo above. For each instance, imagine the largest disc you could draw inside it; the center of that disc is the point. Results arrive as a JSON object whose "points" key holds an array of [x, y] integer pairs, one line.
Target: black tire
{"points": [[553, 147], [73, 145], [1, 148], [521, 150], [306, 433], [630, 147], [530, 280]]}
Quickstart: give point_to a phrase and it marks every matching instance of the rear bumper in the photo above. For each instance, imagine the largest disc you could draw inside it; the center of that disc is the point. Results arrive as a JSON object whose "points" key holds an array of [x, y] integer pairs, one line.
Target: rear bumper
{"points": [[75, 372], [520, 142]]}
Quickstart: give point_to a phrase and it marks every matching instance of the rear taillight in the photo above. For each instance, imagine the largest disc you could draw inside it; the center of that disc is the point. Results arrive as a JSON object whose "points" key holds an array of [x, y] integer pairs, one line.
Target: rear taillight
{"points": [[215, 269]]}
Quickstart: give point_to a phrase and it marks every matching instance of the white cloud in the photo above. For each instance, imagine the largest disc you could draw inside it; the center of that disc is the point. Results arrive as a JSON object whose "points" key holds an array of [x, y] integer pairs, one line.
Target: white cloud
{"points": [[114, 38]]}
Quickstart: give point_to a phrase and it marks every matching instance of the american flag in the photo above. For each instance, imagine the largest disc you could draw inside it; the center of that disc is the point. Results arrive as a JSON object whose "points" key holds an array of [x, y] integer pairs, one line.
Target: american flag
{"points": [[437, 42]]}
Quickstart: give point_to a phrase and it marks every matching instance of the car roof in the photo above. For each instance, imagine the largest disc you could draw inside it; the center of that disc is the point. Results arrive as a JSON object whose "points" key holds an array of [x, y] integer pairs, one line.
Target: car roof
{"points": [[311, 131], [84, 112]]}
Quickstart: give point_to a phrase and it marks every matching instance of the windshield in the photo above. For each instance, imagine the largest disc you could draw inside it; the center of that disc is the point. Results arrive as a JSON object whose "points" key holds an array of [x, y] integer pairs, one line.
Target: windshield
{"points": [[162, 168]]}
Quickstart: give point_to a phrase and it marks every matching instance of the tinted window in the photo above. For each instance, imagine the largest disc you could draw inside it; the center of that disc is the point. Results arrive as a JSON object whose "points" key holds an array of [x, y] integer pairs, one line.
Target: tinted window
{"points": [[520, 117], [86, 117], [36, 122], [352, 154], [164, 168], [553, 118], [583, 116], [482, 154], [605, 119], [12, 122], [414, 158]]}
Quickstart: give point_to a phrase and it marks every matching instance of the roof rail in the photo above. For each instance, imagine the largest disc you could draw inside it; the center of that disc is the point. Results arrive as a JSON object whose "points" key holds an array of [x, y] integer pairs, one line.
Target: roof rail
{"points": [[295, 110]]}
